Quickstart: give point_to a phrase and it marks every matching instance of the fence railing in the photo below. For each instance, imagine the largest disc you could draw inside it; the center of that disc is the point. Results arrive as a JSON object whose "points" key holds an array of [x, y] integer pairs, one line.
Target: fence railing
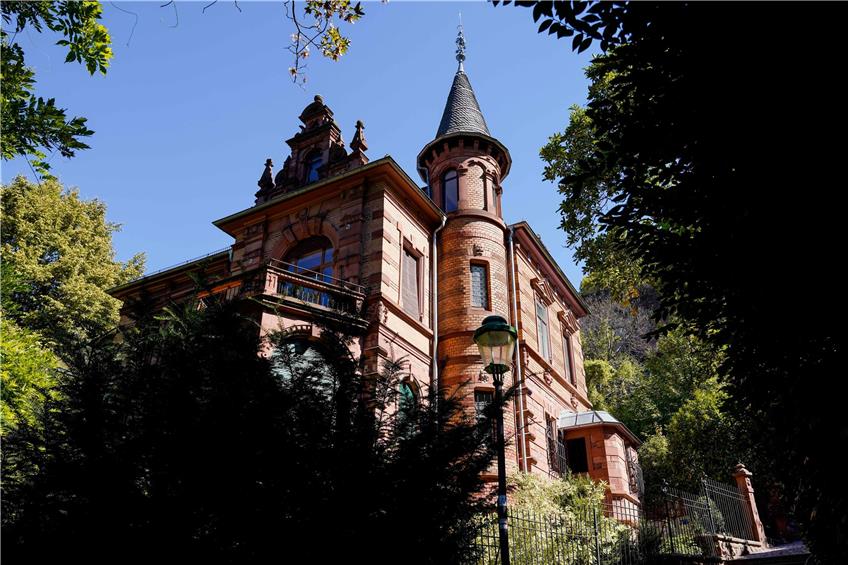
{"points": [[582, 536], [732, 516], [302, 287], [678, 525]]}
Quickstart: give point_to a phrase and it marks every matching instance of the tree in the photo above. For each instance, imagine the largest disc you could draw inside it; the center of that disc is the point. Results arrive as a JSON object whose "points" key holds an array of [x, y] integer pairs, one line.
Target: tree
{"points": [[184, 439], [617, 327], [26, 371], [713, 194], [58, 248], [32, 125]]}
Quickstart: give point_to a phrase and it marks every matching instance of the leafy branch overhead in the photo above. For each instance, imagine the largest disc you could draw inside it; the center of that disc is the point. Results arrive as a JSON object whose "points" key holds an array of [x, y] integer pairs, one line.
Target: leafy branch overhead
{"points": [[33, 126], [318, 28]]}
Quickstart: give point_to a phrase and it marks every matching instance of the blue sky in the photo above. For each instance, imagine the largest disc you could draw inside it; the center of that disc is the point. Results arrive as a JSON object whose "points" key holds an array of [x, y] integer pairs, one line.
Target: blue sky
{"points": [[187, 115]]}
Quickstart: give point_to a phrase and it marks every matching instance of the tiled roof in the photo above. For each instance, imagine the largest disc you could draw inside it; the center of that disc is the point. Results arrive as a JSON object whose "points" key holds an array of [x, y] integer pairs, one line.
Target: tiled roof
{"points": [[462, 113]]}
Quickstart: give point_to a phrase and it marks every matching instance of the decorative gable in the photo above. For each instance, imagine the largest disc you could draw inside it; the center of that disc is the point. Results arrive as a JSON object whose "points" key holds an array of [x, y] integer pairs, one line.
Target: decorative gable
{"points": [[569, 321], [543, 290]]}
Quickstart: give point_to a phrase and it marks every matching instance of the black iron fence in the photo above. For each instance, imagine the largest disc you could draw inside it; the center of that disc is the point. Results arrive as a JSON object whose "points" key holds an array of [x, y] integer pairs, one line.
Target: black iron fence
{"points": [[588, 535], [733, 517], [680, 525]]}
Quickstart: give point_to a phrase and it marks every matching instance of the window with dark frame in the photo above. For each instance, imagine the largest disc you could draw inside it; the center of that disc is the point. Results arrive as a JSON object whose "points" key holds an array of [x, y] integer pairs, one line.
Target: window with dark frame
{"points": [[542, 329], [411, 292], [479, 286], [556, 451], [482, 400], [450, 191], [567, 358]]}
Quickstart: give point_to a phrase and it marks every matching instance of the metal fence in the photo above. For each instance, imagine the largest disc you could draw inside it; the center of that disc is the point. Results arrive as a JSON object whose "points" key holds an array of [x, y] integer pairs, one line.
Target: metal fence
{"points": [[733, 517], [679, 525], [607, 534]]}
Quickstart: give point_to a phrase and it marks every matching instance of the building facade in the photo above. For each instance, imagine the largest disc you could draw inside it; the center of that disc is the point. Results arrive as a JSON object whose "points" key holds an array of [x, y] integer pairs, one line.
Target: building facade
{"points": [[334, 235]]}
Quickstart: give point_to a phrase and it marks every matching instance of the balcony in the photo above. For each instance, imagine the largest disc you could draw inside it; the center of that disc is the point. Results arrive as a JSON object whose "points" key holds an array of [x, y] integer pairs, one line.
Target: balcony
{"points": [[284, 285]]}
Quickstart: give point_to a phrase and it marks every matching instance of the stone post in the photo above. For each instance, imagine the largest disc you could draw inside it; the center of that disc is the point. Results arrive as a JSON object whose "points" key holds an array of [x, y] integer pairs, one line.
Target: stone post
{"points": [[743, 482]]}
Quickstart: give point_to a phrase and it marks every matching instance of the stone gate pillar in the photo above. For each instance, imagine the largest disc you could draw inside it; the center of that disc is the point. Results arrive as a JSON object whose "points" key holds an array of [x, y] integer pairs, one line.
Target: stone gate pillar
{"points": [[743, 482]]}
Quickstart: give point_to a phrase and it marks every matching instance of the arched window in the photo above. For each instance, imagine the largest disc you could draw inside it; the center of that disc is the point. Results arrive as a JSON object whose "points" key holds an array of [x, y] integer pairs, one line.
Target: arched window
{"points": [[298, 356], [312, 257], [408, 400], [407, 403], [450, 191], [313, 163]]}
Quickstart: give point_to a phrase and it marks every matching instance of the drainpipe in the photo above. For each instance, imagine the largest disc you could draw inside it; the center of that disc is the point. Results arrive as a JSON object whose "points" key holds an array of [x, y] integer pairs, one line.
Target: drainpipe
{"points": [[434, 292], [518, 374]]}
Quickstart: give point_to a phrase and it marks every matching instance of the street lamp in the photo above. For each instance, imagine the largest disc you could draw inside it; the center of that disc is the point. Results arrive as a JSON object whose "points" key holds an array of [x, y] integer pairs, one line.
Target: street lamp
{"points": [[496, 341]]}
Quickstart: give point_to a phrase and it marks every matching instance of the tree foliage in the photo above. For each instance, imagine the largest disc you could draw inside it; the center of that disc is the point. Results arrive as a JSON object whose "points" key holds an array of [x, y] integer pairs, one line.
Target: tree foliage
{"points": [[716, 190], [58, 248], [33, 126], [182, 439], [318, 28], [668, 390], [26, 373]]}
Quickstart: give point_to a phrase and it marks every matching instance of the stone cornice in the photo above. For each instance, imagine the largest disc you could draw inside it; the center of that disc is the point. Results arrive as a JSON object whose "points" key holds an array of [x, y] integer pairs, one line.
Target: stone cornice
{"points": [[324, 188]]}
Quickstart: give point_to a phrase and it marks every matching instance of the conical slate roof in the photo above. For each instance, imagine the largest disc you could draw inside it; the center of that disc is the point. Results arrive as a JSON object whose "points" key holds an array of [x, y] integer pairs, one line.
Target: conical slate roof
{"points": [[462, 113]]}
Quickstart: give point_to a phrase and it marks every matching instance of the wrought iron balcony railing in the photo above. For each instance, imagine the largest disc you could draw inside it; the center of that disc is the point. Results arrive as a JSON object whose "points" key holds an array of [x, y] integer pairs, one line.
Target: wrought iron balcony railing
{"points": [[302, 289]]}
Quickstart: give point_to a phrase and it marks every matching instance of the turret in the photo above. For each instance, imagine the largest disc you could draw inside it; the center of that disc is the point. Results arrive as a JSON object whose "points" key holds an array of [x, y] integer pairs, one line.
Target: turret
{"points": [[464, 166]]}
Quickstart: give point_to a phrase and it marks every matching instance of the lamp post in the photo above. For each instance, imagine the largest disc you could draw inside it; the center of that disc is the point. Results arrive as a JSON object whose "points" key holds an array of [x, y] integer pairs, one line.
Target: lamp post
{"points": [[496, 341]]}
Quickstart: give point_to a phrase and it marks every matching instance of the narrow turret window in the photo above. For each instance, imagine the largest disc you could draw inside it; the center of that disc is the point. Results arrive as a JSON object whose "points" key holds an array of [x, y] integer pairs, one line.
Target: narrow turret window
{"points": [[450, 191], [479, 286]]}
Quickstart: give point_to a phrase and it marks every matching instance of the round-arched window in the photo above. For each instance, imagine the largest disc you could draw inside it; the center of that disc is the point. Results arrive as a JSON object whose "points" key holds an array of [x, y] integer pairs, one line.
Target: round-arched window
{"points": [[312, 257], [407, 399], [450, 191]]}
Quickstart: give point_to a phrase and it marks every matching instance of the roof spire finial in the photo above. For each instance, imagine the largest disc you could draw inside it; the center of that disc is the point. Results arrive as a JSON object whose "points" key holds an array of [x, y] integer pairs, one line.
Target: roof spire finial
{"points": [[460, 44]]}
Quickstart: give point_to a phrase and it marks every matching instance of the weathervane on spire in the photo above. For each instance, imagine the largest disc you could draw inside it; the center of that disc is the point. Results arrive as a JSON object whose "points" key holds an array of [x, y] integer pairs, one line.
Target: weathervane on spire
{"points": [[460, 44]]}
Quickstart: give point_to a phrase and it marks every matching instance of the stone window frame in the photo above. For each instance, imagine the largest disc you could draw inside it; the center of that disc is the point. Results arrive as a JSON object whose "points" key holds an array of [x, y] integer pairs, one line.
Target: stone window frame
{"points": [[408, 248], [415, 392], [488, 274], [544, 347], [311, 155], [569, 328]]}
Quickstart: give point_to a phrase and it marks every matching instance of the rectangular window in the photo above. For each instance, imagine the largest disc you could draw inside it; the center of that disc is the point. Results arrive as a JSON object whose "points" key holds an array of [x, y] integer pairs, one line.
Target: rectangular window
{"points": [[567, 359], [410, 295], [542, 329], [578, 461], [479, 286], [556, 450], [482, 400]]}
